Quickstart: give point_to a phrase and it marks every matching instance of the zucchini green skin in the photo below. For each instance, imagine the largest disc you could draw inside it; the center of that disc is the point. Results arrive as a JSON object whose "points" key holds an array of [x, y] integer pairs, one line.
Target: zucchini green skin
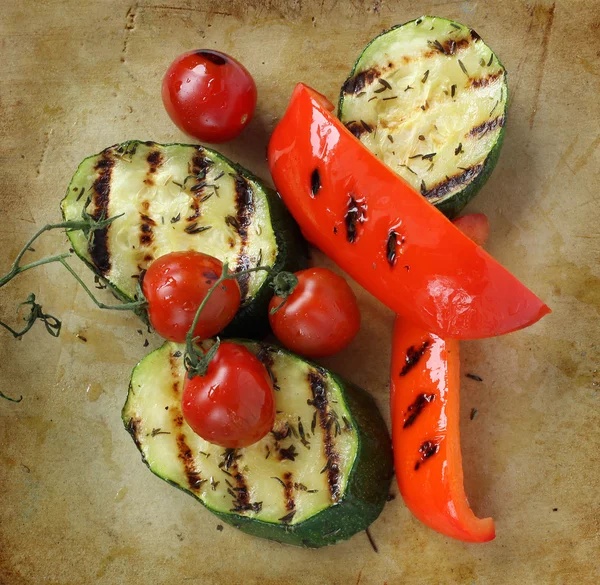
{"points": [[453, 203], [367, 485], [292, 251], [366, 493]]}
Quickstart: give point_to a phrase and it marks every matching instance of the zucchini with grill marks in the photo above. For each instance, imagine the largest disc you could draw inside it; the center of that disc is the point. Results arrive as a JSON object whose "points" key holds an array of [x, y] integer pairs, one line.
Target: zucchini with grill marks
{"points": [[321, 475], [429, 98], [178, 197]]}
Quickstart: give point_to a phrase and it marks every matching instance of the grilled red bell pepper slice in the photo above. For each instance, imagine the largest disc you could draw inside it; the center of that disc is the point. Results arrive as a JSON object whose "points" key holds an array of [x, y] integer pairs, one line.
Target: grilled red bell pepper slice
{"points": [[425, 433], [386, 235], [425, 408]]}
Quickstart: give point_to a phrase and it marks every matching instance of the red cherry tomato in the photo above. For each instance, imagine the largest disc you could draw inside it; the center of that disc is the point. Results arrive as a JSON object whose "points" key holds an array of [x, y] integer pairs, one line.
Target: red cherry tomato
{"points": [[320, 317], [209, 95], [475, 226], [232, 405], [176, 284]]}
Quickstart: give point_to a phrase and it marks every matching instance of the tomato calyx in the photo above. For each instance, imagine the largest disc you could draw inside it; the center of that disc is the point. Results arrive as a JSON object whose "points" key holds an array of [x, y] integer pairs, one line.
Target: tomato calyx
{"points": [[283, 285]]}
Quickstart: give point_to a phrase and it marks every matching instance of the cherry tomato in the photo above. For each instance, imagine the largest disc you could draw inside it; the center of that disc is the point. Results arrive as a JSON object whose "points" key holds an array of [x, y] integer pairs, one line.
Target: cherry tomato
{"points": [[175, 284], [475, 226], [209, 95], [320, 317], [232, 405]]}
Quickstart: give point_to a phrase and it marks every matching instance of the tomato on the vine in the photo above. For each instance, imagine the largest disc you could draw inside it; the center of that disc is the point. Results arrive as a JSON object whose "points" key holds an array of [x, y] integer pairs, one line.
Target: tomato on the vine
{"points": [[319, 318], [232, 404], [209, 95], [174, 286]]}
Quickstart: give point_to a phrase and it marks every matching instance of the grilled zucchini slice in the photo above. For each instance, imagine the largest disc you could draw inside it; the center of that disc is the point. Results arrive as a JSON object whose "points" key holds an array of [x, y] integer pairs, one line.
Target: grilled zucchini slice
{"points": [[176, 197], [429, 98], [321, 475]]}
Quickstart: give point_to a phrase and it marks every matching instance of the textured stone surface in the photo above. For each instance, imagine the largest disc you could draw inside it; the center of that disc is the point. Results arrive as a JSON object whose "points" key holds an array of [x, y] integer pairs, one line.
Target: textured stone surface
{"points": [[79, 507]]}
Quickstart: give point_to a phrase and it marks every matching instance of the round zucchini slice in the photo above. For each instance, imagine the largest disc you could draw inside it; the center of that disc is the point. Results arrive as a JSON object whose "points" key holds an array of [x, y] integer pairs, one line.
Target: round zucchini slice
{"points": [[177, 197], [429, 98], [321, 475]]}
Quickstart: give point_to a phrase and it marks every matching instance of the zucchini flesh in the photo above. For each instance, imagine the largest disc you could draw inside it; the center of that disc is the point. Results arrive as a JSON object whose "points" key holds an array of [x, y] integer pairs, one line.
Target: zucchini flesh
{"points": [[429, 98], [298, 484], [178, 197]]}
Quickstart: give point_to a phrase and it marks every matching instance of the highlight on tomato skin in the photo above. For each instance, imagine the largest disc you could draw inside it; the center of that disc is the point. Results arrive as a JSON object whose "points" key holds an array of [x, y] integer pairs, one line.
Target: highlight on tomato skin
{"points": [[209, 95], [233, 404], [174, 286], [319, 318]]}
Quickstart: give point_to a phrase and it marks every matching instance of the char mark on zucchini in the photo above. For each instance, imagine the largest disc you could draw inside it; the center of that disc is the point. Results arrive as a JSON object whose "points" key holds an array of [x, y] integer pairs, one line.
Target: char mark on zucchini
{"points": [[288, 492], [413, 355], [416, 408], [187, 458], [241, 496], [358, 83], [356, 128], [451, 183], [244, 201], [99, 250], [154, 160], [133, 428], [487, 126], [485, 81], [146, 230], [320, 402]]}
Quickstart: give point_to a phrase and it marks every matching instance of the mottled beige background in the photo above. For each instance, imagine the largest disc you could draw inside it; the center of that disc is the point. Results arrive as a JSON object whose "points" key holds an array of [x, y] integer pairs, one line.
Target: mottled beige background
{"points": [[78, 507]]}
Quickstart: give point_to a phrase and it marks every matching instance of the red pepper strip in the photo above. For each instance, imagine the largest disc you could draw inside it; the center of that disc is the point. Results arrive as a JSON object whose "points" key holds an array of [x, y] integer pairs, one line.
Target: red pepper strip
{"points": [[425, 423], [425, 432], [387, 236]]}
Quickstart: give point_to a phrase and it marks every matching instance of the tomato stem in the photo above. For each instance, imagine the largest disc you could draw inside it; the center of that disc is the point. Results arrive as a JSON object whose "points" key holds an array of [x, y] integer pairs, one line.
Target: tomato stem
{"points": [[2, 395], [196, 362], [88, 225], [52, 324]]}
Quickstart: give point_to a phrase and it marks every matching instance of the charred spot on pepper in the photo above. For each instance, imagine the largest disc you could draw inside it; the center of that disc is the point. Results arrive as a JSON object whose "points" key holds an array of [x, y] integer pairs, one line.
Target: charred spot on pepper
{"points": [[356, 214], [427, 449], [413, 355], [391, 245], [315, 182], [212, 57], [475, 36], [416, 408]]}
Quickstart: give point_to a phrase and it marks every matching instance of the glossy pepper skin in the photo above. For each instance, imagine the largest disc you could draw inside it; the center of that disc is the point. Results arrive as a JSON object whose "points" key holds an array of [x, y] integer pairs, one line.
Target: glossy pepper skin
{"points": [[425, 380], [386, 235], [425, 369]]}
